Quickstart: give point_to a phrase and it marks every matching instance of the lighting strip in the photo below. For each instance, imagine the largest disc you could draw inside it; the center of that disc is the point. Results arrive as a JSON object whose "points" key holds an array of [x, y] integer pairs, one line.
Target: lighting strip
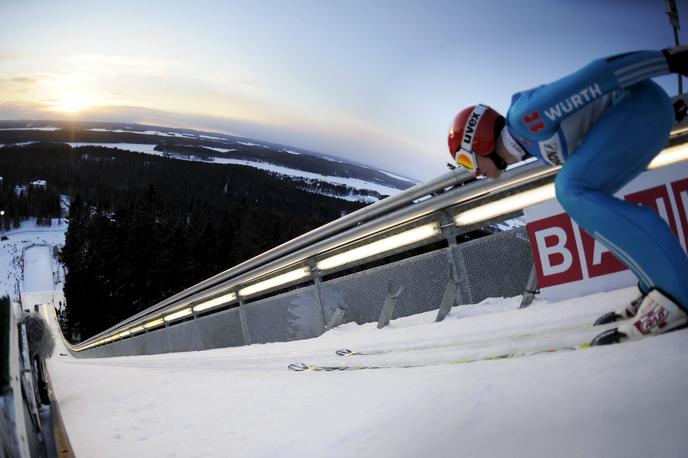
{"points": [[380, 246], [214, 302], [177, 315], [137, 329], [670, 156], [154, 323], [506, 205], [288, 277]]}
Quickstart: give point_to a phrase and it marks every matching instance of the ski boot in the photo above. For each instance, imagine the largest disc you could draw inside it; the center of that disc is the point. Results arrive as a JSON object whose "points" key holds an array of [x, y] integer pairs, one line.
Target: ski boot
{"points": [[657, 314], [627, 311]]}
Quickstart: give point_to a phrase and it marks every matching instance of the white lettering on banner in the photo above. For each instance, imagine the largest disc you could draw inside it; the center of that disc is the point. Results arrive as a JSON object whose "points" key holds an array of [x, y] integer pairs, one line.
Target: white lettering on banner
{"points": [[558, 248], [599, 250], [683, 197], [662, 210]]}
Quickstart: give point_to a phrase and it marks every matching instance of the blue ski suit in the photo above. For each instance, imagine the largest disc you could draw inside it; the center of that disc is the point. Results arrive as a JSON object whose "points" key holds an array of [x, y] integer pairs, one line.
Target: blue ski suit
{"points": [[604, 124]]}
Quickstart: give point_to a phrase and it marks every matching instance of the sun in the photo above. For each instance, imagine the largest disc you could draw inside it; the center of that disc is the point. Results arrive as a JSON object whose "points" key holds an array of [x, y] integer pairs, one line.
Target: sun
{"points": [[72, 102]]}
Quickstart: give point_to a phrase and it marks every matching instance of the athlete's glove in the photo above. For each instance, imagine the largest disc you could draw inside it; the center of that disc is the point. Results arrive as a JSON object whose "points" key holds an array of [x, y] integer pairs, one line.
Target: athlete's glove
{"points": [[677, 58]]}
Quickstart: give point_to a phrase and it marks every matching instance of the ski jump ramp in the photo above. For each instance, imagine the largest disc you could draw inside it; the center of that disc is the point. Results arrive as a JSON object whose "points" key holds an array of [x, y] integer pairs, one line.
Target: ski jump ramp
{"points": [[244, 402]]}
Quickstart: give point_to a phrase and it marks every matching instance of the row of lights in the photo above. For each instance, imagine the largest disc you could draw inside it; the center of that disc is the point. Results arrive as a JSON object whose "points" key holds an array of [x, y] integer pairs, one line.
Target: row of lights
{"points": [[380, 246], [535, 196], [475, 215]]}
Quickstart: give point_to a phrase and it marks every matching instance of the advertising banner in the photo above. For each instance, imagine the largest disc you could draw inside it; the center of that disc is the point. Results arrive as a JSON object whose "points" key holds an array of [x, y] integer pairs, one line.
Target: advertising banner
{"points": [[570, 262]]}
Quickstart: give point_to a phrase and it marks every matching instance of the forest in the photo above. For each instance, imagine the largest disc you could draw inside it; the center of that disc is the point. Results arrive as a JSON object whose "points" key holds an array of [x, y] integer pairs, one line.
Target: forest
{"points": [[143, 227]]}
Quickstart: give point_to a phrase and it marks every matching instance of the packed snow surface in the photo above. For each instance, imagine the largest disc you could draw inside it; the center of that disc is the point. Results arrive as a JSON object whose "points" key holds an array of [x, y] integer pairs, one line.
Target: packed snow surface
{"points": [[19, 273], [625, 400], [37, 269]]}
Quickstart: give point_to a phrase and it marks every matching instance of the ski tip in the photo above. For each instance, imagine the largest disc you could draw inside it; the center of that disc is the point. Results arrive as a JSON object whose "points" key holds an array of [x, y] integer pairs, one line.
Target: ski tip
{"points": [[610, 317], [608, 337], [298, 367], [345, 352]]}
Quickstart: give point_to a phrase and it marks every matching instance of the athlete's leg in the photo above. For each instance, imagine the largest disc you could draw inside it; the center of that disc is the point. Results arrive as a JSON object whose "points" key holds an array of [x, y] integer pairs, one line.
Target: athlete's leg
{"points": [[616, 149]]}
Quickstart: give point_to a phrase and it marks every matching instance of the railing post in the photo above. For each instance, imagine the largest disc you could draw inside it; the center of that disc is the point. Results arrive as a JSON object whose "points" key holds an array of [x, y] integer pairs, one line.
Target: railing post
{"points": [[167, 338], [457, 266], [244, 324], [388, 306], [197, 332], [449, 297], [531, 288], [317, 281], [336, 318]]}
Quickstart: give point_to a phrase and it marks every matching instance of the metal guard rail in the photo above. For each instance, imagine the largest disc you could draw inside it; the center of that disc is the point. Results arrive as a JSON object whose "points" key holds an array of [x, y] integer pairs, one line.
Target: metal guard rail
{"points": [[449, 195]]}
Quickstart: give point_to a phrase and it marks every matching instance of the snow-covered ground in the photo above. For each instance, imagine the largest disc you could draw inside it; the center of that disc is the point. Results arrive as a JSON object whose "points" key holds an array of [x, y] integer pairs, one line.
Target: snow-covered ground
{"points": [[134, 147], [38, 269], [12, 263], [277, 169], [145, 132], [625, 400], [49, 129]]}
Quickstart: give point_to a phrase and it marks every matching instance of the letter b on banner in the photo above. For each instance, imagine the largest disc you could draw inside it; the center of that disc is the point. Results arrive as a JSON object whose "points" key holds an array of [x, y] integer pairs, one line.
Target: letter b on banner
{"points": [[557, 259]]}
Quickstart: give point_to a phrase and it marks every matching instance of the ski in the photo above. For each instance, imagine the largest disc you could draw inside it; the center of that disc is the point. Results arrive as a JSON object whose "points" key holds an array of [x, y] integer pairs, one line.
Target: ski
{"points": [[458, 343], [305, 367]]}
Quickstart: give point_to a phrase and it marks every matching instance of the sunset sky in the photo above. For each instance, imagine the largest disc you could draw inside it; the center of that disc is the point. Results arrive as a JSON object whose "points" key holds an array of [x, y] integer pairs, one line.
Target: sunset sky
{"points": [[375, 81]]}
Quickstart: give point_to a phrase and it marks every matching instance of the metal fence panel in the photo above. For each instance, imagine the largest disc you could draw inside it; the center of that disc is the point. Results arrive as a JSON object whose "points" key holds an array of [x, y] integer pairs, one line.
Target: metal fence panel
{"points": [[494, 266], [362, 294], [182, 337], [290, 316], [222, 329], [497, 265], [117, 349], [154, 342], [132, 345]]}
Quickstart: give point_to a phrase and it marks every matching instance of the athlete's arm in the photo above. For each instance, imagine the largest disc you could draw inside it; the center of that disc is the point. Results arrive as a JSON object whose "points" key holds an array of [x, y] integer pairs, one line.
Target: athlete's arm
{"points": [[555, 101]]}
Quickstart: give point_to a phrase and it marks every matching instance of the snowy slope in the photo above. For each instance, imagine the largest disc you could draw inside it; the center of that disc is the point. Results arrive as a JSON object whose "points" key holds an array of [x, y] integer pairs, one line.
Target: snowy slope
{"points": [[12, 280], [626, 400], [353, 183], [364, 183]]}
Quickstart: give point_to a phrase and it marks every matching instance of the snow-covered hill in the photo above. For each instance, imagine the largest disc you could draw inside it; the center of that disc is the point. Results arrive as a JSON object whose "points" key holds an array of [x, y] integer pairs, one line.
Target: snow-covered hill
{"points": [[303, 165]]}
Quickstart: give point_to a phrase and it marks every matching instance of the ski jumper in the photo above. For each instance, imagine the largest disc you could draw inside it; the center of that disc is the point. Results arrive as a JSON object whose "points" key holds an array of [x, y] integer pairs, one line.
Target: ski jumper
{"points": [[604, 124]]}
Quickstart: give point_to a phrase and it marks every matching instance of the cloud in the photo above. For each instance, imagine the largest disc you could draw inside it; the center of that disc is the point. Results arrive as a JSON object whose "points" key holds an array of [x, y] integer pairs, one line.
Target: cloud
{"points": [[7, 56], [121, 65], [23, 80], [21, 110]]}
